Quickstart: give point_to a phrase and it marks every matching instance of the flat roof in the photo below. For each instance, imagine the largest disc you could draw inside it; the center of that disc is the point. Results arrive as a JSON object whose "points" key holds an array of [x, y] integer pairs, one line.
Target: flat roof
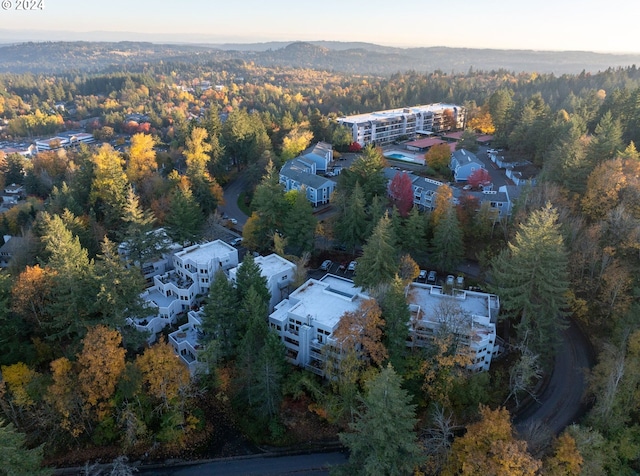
{"points": [[273, 264], [428, 142], [203, 253], [429, 297], [392, 113], [324, 301]]}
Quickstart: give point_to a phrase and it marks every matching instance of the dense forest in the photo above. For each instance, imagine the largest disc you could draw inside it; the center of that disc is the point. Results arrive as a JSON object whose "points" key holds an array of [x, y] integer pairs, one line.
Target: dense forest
{"points": [[78, 382], [345, 57]]}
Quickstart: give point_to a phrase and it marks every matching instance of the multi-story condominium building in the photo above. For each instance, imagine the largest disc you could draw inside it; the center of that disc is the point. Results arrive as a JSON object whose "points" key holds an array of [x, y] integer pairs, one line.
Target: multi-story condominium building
{"points": [[306, 321], [279, 274], [176, 290], [384, 127], [467, 317], [425, 191]]}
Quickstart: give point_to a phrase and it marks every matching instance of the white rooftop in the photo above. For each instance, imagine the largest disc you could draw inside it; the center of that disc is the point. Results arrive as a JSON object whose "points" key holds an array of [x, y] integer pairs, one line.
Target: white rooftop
{"points": [[324, 301], [392, 113], [203, 253], [429, 297], [273, 264]]}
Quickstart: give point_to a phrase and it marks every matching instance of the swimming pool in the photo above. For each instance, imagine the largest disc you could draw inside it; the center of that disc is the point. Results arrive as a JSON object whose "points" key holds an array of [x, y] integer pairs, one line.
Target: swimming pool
{"points": [[397, 155]]}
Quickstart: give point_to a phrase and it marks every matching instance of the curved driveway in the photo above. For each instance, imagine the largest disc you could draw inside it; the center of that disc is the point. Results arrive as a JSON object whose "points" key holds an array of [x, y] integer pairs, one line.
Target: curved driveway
{"points": [[231, 193], [561, 402]]}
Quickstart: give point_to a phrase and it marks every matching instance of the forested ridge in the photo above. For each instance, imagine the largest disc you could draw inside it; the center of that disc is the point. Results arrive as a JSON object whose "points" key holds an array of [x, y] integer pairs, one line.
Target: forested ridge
{"points": [[77, 380], [352, 58]]}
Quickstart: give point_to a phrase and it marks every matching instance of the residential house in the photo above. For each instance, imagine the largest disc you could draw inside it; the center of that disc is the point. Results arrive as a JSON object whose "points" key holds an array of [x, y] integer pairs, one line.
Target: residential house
{"points": [[463, 163], [385, 127], [278, 272], [13, 194], [300, 173], [11, 246], [425, 191], [467, 317], [523, 174], [179, 289], [321, 154]]}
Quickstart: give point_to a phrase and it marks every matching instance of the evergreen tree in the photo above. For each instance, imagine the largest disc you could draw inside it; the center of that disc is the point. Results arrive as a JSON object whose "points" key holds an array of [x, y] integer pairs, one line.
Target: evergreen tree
{"points": [[607, 140], [270, 208], [352, 223], [531, 279], [15, 458], [300, 224], [249, 275], [378, 263], [395, 312], [184, 220], [415, 233], [448, 243], [220, 320], [383, 440], [269, 375], [141, 242]]}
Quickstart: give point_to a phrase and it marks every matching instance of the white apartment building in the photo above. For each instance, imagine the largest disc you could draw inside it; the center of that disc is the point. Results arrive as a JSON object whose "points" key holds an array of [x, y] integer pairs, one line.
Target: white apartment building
{"points": [[384, 127], [468, 316], [176, 290], [279, 273], [186, 341], [306, 320]]}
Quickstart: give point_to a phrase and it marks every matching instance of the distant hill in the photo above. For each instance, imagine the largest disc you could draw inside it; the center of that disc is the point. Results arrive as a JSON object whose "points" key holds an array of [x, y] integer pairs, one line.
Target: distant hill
{"points": [[362, 58]]}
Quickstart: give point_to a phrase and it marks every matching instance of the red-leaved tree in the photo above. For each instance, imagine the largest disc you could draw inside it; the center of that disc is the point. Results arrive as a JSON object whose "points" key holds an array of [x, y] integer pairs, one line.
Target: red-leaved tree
{"points": [[479, 177], [401, 193]]}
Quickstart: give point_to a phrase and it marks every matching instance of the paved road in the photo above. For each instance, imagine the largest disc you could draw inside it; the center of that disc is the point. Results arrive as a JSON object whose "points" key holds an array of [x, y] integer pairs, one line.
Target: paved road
{"points": [[231, 193], [561, 402], [307, 465]]}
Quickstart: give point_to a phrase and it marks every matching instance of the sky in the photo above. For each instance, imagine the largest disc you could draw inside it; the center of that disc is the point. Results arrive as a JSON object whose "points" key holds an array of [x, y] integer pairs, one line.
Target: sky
{"points": [[586, 25]]}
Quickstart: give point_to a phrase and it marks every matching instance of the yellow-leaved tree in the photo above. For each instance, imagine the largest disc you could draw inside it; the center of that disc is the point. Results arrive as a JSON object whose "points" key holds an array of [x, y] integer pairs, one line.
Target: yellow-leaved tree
{"points": [[101, 363]]}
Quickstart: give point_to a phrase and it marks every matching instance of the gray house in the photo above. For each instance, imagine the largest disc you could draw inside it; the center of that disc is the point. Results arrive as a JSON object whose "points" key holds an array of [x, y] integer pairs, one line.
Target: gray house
{"points": [[321, 154], [463, 164], [300, 173]]}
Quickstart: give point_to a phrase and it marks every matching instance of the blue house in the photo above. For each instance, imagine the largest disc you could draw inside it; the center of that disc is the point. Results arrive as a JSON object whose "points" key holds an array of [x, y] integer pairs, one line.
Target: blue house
{"points": [[463, 164]]}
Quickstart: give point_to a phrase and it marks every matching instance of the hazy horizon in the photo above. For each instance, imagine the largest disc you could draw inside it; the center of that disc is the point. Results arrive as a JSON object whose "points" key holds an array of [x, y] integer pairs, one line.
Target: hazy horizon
{"points": [[549, 25]]}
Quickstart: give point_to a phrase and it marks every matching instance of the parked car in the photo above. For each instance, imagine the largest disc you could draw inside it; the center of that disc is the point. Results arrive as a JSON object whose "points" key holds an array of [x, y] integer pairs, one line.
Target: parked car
{"points": [[352, 266], [236, 241], [431, 279], [450, 280], [423, 275], [233, 221], [326, 264]]}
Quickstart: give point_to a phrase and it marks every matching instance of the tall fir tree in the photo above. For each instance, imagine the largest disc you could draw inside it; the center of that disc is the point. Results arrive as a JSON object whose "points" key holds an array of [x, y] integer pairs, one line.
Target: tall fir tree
{"points": [[448, 242], [220, 320], [185, 220], [383, 440], [531, 279], [300, 225], [352, 223], [378, 263]]}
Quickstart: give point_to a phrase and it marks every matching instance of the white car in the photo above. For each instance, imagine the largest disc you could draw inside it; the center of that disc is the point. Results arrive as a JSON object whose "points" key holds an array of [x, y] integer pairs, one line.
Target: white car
{"points": [[326, 264], [352, 266], [423, 275], [450, 280], [233, 221], [236, 241]]}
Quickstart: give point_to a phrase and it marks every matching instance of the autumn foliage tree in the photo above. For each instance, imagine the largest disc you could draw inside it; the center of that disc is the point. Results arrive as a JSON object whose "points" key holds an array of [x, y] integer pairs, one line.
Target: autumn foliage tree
{"points": [[479, 177], [401, 193], [438, 157], [362, 330], [101, 363], [489, 447]]}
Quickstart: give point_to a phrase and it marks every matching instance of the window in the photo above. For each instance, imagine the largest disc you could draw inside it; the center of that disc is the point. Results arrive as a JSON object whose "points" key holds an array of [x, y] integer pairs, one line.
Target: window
{"points": [[285, 277]]}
